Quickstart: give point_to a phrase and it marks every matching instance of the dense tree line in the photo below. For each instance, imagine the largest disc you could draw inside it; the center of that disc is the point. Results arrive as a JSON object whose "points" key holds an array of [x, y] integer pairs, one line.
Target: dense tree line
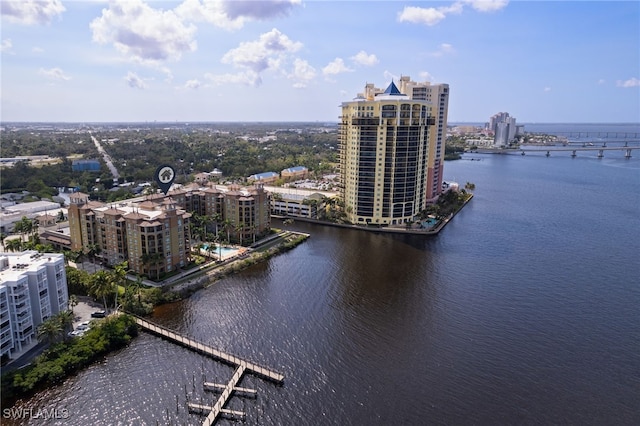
{"points": [[67, 356], [239, 151]]}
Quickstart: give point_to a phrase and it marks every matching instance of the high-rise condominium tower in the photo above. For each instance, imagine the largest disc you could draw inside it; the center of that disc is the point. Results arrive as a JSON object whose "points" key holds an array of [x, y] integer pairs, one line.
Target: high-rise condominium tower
{"points": [[392, 151]]}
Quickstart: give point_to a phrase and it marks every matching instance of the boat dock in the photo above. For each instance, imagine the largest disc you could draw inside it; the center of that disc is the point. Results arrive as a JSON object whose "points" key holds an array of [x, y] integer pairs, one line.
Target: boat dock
{"points": [[201, 347], [231, 388]]}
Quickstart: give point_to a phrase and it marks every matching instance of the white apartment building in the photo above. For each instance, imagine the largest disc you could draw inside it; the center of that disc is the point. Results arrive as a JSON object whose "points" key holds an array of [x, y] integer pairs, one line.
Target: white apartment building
{"points": [[33, 287]]}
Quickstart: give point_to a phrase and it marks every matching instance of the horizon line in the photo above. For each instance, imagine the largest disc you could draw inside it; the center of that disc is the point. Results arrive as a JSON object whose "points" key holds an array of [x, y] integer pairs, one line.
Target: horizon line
{"points": [[2, 123]]}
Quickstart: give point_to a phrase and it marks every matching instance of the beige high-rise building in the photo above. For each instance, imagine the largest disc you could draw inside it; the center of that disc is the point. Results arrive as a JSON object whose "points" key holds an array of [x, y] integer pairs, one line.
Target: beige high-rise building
{"points": [[392, 151]]}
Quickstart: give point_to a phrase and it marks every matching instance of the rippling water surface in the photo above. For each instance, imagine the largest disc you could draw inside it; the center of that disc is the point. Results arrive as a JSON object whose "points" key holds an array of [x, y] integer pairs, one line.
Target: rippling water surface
{"points": [[524, 310]]}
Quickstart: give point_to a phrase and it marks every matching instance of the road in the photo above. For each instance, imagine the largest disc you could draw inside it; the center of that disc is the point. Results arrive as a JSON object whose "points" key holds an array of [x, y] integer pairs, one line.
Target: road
{"points": [[106, 157]]}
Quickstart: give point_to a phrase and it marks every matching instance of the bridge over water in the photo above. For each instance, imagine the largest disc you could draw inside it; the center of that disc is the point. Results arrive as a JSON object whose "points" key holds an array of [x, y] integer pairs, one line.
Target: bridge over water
{"points": [[626, 146], [599, 135]]}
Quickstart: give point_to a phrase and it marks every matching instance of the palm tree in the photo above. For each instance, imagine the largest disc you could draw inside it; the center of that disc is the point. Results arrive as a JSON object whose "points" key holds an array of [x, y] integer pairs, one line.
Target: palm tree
{"points": [[73, 302], [65, 318], [120, 275], [92, 251], [102, 285], [216, 218], [254, 230], [49, 330], [138, 285], [24, 226], [227, 225], [210, 249], [14, 244], [239, 230], [35, 225], [154, 259]]}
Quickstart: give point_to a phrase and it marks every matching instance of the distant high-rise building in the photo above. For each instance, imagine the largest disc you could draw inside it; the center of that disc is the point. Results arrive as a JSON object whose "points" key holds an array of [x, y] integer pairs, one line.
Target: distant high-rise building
{"points": [[504, 128], [392, 151]]}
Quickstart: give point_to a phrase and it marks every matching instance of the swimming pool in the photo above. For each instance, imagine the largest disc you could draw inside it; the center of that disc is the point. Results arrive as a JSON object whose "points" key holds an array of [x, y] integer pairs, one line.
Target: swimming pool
{"points": [[429, 223], [223, 253]]}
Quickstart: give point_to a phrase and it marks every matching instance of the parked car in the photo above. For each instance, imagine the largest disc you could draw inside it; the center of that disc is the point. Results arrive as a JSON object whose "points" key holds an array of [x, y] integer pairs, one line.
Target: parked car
{"points": [[83, 326], [98, 314]]}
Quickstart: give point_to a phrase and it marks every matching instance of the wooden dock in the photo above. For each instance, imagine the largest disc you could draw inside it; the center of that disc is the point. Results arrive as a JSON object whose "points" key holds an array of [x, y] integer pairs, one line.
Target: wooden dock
{"points": [[242, 367], [219, 387], [197, 346]]}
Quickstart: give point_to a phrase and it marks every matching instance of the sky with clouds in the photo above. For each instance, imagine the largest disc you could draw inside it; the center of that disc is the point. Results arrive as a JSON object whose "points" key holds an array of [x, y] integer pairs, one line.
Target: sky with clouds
{"points": [[297, 60]]}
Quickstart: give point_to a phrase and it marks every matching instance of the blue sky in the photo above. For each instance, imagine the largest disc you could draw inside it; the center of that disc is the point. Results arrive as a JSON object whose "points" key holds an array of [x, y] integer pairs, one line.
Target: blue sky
{"points": [[210, 60]]}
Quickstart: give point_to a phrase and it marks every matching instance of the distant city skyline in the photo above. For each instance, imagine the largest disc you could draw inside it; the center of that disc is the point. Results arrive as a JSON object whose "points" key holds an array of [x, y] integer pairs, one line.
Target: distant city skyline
{"points": [[293, 60]]}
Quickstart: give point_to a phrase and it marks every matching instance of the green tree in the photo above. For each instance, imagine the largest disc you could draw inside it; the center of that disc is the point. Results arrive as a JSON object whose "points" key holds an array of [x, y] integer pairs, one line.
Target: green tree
{"points": [[65, 318], [120, 277], [50, 330], [14, 244], [78, 281], [102, 285], [73, 302], [24, 227], [92, 251], [152, 260], [227, 225]]}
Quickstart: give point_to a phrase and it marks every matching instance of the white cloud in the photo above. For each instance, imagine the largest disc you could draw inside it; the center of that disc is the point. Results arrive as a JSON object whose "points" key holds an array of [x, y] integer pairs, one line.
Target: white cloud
{"points": [[30, 12], [210, 11], [192, 84], [269, 52], [443, 49], [248, 78], [134, 81], [258, 9], [363, 58], [6, 45], [632, 82], [233, 14], [433, 15], [487, 5], [143, 34], [302, 73], [420, 15], [425, 76], [547, 89], [37, 49], [388, 76], [54, 74], [335, 67]]}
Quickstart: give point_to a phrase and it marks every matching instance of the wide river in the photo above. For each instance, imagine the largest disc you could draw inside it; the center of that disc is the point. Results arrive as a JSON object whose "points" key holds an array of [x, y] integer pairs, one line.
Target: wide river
{"points": [[524, 310]]}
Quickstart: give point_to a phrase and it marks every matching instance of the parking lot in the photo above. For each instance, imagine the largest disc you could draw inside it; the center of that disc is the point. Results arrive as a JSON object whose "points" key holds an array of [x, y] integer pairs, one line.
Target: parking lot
{"points": [[82, 311]]}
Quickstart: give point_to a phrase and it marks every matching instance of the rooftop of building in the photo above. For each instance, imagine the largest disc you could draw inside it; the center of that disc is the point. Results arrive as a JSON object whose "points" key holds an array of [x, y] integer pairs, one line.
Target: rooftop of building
{"points": [[263, 175], [295, 169], [13, 265]]}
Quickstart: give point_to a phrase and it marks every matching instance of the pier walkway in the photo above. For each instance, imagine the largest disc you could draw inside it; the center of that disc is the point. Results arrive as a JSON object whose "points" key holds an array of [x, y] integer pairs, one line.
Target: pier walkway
{"points": [[242, 367], [195, 345], [224, 397]]}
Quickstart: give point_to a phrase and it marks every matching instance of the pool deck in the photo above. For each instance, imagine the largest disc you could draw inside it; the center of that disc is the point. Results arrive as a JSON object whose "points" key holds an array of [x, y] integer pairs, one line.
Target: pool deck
{"points": [[227, 252], [201, 275]]}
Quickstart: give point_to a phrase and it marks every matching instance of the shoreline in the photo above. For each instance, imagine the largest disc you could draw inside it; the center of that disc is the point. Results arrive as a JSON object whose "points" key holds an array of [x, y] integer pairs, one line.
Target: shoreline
{"points": [[209, 273], [389, 230]]}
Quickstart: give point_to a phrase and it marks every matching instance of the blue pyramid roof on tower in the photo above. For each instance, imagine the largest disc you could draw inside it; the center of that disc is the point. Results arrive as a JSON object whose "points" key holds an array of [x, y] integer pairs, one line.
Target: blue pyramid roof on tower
{"points": [[392, 89]]}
